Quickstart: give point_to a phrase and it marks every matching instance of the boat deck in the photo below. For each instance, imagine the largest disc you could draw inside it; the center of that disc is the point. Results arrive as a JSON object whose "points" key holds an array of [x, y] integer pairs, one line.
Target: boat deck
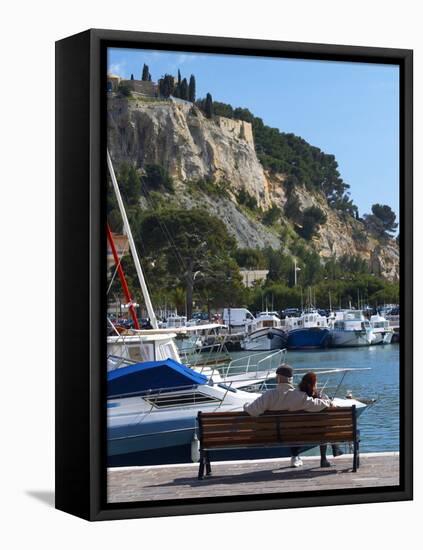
{"points": [[250, 478]]}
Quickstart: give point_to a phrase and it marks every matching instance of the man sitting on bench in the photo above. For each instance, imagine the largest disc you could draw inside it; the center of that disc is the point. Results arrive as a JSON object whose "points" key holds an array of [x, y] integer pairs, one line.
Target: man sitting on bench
{"points": [[285, 397]]}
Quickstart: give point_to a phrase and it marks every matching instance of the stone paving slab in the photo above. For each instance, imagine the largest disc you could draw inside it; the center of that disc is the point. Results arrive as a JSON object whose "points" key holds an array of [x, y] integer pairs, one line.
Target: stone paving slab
{"points": [[250, 478]]}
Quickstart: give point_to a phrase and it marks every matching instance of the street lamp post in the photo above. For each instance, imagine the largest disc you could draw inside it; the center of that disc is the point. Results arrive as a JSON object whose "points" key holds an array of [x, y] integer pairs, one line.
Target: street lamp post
{"points": [[295, 271]]}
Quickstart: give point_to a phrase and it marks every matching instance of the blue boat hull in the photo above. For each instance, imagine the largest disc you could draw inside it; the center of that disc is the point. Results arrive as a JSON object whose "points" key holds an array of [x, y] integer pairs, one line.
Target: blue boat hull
{"points": [[309, 338]]}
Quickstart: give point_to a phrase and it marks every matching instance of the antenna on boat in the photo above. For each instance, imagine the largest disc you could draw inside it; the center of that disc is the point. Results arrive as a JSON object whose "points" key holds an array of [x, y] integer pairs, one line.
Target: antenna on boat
{"points": [[149, 306]]}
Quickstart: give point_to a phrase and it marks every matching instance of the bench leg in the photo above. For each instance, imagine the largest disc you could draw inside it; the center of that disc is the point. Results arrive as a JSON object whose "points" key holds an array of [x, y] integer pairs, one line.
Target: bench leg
{"points": [[201, 467], [208, 465], [358, 451], [355, 458]]}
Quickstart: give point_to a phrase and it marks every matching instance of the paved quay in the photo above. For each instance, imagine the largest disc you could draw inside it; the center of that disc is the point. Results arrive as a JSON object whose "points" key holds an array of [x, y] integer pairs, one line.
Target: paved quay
{"points": [[250, 478]]}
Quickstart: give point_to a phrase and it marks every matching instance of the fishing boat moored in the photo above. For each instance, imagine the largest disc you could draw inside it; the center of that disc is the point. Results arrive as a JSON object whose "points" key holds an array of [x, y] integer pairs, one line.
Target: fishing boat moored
{"points": [[265, 333]]}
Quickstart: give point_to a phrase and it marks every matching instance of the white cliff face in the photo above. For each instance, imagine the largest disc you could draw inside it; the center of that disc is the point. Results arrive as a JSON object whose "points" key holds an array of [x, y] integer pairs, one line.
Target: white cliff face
{"points": [[176, 135]]}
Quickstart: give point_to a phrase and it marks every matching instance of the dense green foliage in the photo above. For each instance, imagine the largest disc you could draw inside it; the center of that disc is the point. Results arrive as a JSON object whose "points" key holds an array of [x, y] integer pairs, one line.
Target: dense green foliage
{"points": [[124, 90], [246, 199], [313, 217], [209, 186], [336, 283], [250, 258], [272, 215], [157, 178], [166, 86], [189, 250]]}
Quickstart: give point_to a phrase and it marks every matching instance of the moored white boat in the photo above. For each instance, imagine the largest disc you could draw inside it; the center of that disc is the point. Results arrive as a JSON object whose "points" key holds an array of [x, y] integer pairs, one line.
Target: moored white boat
{"points": [[265, 333], [382, 328], [350, 328]]}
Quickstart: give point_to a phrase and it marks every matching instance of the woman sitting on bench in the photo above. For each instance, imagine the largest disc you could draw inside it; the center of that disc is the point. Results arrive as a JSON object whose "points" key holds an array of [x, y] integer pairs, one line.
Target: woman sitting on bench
{"points": [[308, 385], [285, 397]]}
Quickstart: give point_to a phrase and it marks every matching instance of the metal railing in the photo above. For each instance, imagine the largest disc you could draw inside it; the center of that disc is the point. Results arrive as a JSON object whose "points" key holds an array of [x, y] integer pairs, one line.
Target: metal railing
{"points": [[176, 397], [254, 364], [202, 357]]}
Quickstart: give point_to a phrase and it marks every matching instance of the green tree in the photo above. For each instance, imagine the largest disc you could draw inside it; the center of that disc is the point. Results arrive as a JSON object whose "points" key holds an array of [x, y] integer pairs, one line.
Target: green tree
{"points": [[129, 183], [313, 218], [292, 207], [250, 258], [386, 216], [196, 249], [145, 73], [208, 106], [184, 89], [191, 90], [272, 215], [132, 76], [280, 266], [157, 178], [166, 85], [246, 199], [124, 90]]}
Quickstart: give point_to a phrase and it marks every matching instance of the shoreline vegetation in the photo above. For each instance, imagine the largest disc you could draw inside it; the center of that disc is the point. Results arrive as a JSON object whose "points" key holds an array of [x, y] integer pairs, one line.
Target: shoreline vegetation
{"points": [[192, 262]]}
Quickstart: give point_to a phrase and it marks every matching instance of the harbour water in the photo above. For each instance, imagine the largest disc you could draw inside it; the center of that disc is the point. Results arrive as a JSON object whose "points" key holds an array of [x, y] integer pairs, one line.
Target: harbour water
{"points": [[379, 423]]}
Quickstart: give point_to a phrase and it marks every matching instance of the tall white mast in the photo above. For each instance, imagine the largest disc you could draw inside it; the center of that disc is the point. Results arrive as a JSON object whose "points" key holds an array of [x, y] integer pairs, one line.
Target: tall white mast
{"points": [[149, 305]]}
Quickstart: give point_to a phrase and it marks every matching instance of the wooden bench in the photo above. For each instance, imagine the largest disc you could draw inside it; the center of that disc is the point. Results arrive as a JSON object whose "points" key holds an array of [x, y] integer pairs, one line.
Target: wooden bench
{"points": [[238, 430]]}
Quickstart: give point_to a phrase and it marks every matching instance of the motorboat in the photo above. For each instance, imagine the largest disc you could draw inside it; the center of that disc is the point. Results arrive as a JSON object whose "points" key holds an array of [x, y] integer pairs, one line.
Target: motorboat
{"points": [[265, 333], [349, 328], [382, 328]]}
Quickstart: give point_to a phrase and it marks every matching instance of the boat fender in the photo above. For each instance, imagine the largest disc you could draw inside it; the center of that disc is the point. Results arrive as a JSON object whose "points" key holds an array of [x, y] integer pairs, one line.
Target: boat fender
{"points": [[195, 448], [270, 335]]}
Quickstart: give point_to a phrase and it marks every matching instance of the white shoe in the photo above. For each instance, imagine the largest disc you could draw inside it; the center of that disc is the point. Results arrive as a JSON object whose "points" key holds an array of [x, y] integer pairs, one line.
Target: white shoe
{"points": [[296, 462]]}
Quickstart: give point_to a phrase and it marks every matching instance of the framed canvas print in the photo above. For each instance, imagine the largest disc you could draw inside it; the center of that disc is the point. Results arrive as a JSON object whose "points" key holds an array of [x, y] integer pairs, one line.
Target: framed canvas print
{"points": [[233, 274]]}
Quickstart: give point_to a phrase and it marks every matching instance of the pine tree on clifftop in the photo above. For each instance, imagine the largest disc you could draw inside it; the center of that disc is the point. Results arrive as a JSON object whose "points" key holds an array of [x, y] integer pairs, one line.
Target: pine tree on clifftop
{"points": [[208, 107], [191, 89], [145, 73], [184, 89]]}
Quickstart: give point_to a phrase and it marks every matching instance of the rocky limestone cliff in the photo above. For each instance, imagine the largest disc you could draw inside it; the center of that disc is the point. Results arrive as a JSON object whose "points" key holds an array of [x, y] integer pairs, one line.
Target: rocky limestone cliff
{"points": [[175, 134]]}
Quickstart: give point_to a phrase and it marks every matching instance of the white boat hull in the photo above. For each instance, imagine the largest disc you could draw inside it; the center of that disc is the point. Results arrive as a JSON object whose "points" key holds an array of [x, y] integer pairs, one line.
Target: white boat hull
{"points": [[266, 339], [353, 338]]}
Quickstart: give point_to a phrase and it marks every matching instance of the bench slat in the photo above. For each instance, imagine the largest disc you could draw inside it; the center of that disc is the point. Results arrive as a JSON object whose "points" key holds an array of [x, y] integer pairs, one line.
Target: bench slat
{"points": [[294, 442], [258, 425]]}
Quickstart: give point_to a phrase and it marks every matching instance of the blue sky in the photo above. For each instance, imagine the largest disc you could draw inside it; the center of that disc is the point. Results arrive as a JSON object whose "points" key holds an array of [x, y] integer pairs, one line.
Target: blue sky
{"points": [[350, 110]]}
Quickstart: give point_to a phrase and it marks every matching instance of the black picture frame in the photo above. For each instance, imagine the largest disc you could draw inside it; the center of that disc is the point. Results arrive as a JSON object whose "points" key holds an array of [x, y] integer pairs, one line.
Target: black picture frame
{"points": [[80, 272]]}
